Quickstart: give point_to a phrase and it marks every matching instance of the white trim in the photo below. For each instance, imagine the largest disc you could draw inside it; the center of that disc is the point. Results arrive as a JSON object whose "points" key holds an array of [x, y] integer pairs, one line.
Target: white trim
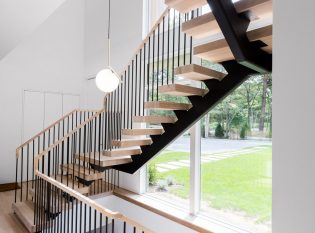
{"points": [[195, 167]]}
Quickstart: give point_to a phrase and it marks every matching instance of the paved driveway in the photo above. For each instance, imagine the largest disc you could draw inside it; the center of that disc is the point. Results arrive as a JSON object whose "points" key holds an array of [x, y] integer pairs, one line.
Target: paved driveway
{"points": [[211, 145]]}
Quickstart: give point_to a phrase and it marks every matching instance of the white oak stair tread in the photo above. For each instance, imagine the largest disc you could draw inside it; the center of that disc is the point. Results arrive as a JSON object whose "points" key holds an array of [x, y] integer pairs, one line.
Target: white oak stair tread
{"points": [[197, 72], [71, 183], [218, 51], [154, 119], [122, 152], [132, 142], [85, 173], [182, 90], [105, 161], [143, 131], [25, 212], [206, 25], [164, 105], [185, 6]]}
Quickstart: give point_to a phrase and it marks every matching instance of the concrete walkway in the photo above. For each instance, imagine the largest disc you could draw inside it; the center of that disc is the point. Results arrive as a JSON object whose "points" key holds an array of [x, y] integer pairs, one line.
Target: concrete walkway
{"points": [[207, 158]]}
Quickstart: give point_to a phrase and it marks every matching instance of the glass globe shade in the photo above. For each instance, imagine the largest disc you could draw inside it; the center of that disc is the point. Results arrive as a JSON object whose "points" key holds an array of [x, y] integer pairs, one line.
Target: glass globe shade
{"points": [[107, 80]]}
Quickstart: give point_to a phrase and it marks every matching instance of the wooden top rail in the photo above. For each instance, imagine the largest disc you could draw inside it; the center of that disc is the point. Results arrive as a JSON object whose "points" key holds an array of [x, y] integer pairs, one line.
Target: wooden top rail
{"points": [[40, 155], [49, 127]]}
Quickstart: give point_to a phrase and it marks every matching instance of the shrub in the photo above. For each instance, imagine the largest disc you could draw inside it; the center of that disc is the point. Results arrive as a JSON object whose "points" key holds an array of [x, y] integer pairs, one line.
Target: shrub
{"points": [[153, 174], [162, 186], [219, 131], [170, 181], [244, 131]]}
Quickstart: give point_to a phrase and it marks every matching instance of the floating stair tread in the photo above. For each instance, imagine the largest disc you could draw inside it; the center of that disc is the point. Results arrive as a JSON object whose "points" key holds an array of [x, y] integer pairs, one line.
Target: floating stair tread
{"points": [[206, 25], [105, 161], [71, 182], [184, 6], [132, 142], [164, 105], [25, 212], [82, 172], [122, 152], [218, 51], [145, 131], [182, 90], [197, 72], [154, 119]]}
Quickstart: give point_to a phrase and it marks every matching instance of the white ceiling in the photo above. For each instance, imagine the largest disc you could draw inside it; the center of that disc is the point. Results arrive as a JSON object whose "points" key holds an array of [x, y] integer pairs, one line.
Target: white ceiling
{"points": [[19, 18]]}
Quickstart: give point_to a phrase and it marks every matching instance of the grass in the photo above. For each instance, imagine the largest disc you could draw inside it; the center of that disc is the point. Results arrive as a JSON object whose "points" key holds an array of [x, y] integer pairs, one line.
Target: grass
{"points": [[241, 183]]}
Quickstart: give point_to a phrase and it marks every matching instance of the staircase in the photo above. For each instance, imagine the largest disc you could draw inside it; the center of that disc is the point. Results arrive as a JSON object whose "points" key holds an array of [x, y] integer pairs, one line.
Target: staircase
{"points": [[164, 91]]}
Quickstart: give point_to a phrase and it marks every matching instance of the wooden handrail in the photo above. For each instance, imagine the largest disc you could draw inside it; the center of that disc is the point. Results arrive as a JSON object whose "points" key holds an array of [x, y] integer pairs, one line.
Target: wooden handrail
{"points": [[48, 128], [68, 134]]}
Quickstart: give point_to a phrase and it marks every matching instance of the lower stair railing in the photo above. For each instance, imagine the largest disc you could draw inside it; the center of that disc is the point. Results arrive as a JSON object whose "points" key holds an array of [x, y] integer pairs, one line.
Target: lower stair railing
{"points": [[59, 208], [71, 167]]}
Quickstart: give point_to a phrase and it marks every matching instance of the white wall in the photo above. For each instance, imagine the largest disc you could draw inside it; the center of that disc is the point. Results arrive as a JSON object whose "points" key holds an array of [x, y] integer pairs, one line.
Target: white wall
{"points": [[147, 218], [126, 33], [18, 19], [51, 59], [293, 117]]}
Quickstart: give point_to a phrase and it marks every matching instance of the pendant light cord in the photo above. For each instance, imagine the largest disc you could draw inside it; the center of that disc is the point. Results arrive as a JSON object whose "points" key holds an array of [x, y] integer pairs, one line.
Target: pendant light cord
{"points": [[108, 33]]}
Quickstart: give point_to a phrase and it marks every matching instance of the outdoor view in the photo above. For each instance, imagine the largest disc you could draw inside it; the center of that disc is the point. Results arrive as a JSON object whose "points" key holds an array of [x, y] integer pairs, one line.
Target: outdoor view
{"points": [[235, 159]]}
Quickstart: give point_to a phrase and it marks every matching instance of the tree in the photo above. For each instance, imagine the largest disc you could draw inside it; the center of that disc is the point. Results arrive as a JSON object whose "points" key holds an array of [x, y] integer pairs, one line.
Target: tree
{"points": [[266, 81], [219, 131], [250, 90]]}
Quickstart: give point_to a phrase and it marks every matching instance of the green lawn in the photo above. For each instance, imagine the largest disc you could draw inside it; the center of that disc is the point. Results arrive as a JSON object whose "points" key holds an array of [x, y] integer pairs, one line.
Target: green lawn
{"points": [[241, 183]]}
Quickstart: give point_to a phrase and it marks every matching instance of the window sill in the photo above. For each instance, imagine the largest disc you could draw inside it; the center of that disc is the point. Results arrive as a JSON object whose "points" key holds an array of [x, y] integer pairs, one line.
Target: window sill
{"points": [[178, 214]]}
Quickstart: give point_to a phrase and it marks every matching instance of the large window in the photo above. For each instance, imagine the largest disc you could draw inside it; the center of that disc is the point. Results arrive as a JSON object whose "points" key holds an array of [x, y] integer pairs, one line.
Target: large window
{"points": [[235, 161], [236, 157]]}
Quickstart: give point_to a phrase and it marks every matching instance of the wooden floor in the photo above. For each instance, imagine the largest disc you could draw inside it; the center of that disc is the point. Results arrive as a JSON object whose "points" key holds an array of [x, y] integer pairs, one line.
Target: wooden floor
{"points": [[8, 222]]}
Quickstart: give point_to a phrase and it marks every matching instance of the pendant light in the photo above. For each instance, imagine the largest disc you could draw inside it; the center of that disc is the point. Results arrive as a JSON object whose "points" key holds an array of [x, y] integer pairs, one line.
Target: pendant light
{"points": [[107, 80]]}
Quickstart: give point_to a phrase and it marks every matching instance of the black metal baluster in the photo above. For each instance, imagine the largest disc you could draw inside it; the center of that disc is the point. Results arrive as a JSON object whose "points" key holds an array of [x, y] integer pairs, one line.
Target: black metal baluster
{"points": [[90, 218], [173, 55], [16, 177], [190, 46], [184, 62], [95, 221], [128, 98], [179, 31], [101, 224], [27, 167], [132, 93], [136, 85], [168, 45], [84, 218], [106, 225], [144, 78], [148, 72], [140, 81], [163, 35], [153, 58], [158, 65], [21, 175], [80, 228]]}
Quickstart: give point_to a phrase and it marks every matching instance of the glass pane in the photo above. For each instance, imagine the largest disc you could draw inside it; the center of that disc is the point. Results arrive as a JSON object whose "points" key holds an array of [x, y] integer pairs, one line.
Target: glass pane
{"points": [[168, 173], [237, 158]]}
